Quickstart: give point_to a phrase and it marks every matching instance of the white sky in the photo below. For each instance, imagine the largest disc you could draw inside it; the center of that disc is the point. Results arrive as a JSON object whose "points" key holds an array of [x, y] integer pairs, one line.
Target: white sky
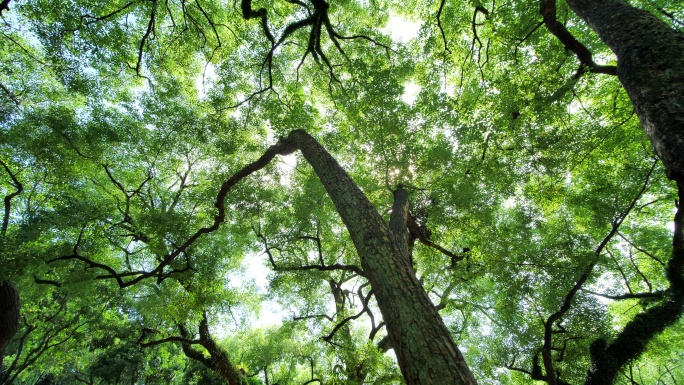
{"points": [[401, 29]]}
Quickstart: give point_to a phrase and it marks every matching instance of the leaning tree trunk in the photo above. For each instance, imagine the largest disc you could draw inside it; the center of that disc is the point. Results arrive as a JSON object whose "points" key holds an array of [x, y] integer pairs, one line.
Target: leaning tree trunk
{"points": [[424, 347], [218, 359], [9, 317], [651, 68]]}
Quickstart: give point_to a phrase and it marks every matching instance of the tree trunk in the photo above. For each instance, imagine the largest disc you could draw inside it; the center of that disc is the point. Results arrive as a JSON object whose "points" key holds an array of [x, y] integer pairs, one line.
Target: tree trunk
{"points": [[219, 361], [651, 68], [425, 350], [9, 316], [222, 364]]}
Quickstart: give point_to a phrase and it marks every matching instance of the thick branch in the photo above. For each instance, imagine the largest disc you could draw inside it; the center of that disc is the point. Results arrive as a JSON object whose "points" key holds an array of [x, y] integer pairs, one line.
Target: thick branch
{"points": [[547, 10], [439, 25], [248, 13], [8, 199], [9, 316], [146, 36], [218, 360], [337, 327], [399, 216], [420, 235], [11, 95], [223, 364], [657, 294]]}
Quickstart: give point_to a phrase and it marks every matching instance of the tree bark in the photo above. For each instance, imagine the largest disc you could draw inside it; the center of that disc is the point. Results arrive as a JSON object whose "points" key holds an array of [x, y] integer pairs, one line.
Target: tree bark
{"points": [[9, 316], [219, 361], [651, 68], [424, 347]]}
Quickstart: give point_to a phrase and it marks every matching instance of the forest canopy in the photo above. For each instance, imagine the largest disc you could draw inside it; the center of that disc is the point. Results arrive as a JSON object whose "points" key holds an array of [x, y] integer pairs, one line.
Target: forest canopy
{"points": [[351, 192]]}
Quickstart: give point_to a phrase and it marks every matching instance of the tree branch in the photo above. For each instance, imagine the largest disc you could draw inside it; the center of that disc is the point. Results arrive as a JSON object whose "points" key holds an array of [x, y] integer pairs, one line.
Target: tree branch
{"points": [[656, 294], [365, 300], [399, 217], [420, 235], [321, 267], [547, 10], [150, 28], [317, 20], [218, 360], [567, 302], [11, 95], [8, 198], [280, 148], [650, 255], [439, 25], [607, 359]]}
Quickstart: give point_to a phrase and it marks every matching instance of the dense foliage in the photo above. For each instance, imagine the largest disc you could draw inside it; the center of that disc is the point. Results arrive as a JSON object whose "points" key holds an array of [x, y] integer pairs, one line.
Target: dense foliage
{"points": [[542, 216]]}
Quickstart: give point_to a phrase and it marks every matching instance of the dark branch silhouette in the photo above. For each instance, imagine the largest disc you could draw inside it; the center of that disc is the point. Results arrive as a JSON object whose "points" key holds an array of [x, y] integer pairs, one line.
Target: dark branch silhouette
{"points": [[547, 360], [321, 266], [657, 294], [547, 9], [145, 38], [4, 6], [11, 95], [282, 148], [439, 25], [317, 21], [608, 358], [8, 198], [218, 359]]}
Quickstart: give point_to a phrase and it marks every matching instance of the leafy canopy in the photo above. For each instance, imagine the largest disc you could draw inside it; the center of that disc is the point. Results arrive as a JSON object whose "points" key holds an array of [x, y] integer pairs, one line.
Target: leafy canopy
{"points": [[121, 120]]}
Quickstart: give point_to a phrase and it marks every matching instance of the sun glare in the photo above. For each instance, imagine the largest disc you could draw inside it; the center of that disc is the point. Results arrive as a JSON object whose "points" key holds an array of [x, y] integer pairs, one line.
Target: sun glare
{"points": [[401, 29]]}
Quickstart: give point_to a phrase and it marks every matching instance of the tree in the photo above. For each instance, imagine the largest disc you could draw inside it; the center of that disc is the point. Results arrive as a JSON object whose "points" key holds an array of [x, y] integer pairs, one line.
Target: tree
{"points": [[9, 313], [528, 211], [647, 51]]}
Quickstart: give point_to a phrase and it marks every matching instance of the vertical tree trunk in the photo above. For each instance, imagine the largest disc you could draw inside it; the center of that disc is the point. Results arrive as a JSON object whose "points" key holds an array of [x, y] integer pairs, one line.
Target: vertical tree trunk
{"points": [[9, 317], [651, 68], [425, 350]]}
